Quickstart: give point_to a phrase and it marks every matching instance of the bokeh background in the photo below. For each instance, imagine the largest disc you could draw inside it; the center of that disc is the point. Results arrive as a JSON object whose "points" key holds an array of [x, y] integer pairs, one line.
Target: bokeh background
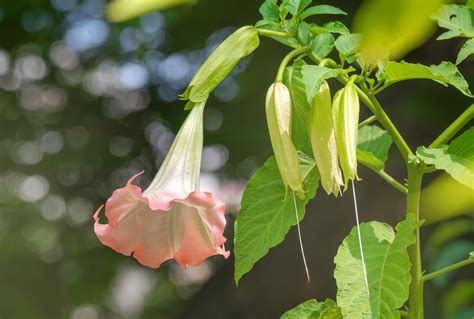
{"points": [[84, 104]]}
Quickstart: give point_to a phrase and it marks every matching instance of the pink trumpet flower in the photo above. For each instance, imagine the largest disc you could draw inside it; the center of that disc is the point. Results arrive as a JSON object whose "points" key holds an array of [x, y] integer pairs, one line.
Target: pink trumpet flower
{"points": [[171, 218]]}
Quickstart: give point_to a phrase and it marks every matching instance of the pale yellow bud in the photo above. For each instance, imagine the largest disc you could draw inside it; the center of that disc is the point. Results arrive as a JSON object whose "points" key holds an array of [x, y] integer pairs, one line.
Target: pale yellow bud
{"points": [[278, 111], [323, 140], [346, 121]]}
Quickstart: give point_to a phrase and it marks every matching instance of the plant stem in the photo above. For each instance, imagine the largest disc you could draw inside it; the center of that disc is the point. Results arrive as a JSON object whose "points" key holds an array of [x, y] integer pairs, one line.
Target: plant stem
{"points": [[389, 179], [448, 269], [367, 121], [286, 60], [403, 313], [452, 129], [271, 33], [415, 301], [373, 104]]}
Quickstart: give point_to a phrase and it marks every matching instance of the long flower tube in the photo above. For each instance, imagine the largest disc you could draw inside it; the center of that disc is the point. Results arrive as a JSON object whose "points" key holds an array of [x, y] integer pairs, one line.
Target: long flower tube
{"points": [[171, 218]]}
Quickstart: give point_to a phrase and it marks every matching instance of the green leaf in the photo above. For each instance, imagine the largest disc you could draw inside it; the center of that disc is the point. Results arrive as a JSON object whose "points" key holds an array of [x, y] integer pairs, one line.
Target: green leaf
{"points": [[458, 19], [293, 79], [446, 73], [457, 159], [348, 45], [313, 77], [304, 33], [336, 27], [219, 64], [269, 10], [466, 50], [294, 6], [388, 270], [321, 9], [391, 28], [313, 309], [267, 213], [373, 145], [323, 44]]}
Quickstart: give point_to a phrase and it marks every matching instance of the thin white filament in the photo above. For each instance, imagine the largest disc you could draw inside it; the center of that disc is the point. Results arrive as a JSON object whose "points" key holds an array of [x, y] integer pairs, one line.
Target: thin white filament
{"points": [[360, 239], [299, 235]]}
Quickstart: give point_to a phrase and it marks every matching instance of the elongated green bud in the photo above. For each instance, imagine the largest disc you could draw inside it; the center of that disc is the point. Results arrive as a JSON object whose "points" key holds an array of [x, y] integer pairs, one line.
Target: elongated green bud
{"points": [[278, 111], [219, 64], [323, 140], [346, 121]]}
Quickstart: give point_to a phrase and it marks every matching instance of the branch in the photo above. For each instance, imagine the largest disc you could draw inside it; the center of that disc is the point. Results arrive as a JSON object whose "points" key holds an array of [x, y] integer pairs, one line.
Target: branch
{"points": [[452, 267], [368, 121], [452, 129], [386, 177]]}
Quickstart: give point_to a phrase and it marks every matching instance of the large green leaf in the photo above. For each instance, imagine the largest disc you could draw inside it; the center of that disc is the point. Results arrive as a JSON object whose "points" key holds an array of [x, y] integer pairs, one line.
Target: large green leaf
{"points": [[313, 309], [446, 73], [321, 9], [323, 44], [293, 79], [458, 19], [388, 270], [313, 77], [391, 28], [466, 50], [457, 159], [372, 146], [267, 213], [336, 27]]}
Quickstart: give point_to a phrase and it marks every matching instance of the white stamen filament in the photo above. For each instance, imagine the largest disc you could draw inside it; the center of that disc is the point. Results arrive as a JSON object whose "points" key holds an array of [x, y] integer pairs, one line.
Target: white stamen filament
{"points": [[299, 235], [360, 239]]}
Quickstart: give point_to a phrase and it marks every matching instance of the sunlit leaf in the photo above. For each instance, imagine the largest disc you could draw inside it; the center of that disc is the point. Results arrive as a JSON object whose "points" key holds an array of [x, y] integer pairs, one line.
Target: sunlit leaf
{"points": [[313, 77], [373, 145], [388, 270], [457, 159], [321, 9], [466, 50], [348, 45], [393, 28], [122, 10], [267, 213], [458, 19], [446, 73], [313, 309], [446, 198]]}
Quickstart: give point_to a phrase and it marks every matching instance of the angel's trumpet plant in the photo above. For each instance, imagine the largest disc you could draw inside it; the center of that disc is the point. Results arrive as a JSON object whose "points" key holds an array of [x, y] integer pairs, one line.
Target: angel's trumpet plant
{"points": [[346, 121], [220, 63], [323, 140], [171, 218], [278, 112]]}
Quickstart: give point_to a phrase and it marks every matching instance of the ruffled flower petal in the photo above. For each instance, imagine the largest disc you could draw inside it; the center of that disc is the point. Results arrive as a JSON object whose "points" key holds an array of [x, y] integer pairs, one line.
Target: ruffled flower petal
{"points": [[156, 229]]}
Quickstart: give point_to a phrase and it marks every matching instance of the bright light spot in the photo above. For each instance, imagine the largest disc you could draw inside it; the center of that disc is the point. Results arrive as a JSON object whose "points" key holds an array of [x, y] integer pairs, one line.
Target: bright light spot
{"points": [[152, 23], [87, 34], [32, 188], [63, 57], [227, 90], [30, 67], [51, 142], [80, 211], [86, 312], [53, 207], [133, 75], [214, 157], [129, 290], [28, 153], [63, 5], [35, 20]]}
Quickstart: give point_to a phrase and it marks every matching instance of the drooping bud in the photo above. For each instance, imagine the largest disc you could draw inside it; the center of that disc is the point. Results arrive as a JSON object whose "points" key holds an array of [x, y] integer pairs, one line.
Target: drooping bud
{"points": [[346, 121], [219, 64], [278, 111], [323, 140]]}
